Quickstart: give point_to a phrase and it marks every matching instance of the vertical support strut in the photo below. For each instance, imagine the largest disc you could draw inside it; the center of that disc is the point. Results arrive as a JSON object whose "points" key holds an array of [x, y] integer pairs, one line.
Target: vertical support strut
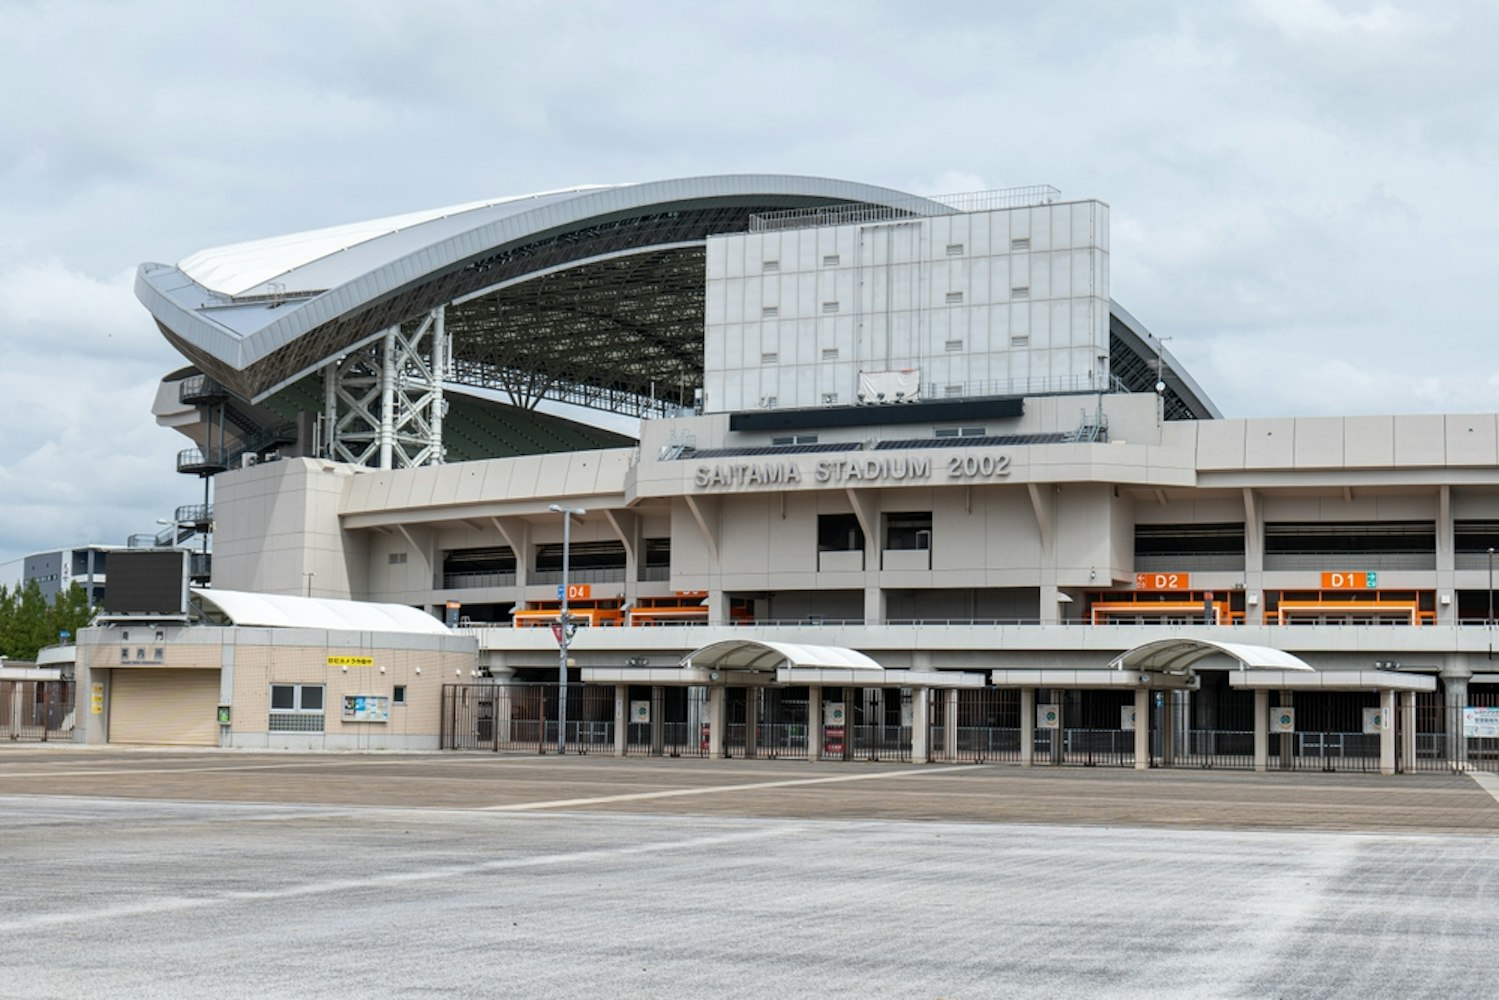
{"points": [[383, 404]]}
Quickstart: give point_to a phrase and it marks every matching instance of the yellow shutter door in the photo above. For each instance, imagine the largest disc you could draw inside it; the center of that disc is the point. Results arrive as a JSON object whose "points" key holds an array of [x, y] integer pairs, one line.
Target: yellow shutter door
{"points": [[172, 707]]}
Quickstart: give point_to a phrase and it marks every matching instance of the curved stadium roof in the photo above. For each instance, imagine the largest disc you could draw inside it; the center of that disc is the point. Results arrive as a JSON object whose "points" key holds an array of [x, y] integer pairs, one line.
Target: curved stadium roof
{"points": [[591, 294]]}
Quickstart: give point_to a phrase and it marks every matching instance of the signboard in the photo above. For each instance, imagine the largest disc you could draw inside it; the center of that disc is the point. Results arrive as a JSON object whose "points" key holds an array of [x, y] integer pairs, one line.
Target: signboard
{"points": [[832, 740], [1163, 581], [832, 713], [96, 698], [1375, 720], [450, 613], [1481, 723], [224, 715], [1048, 716], [351, 661], [575, 592], [1350, 581], [1127, 718], [557, 632], [366, 708], [640, 712], [1283, 720]]}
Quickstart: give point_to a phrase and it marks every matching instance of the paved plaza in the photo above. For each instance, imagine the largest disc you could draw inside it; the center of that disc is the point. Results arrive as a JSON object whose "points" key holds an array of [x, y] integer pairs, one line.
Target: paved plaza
{"points": [[156, 874]]}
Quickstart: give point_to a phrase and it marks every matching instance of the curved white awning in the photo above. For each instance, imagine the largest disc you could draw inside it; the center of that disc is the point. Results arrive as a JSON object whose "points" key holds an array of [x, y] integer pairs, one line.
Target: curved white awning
{"points": [[282, 611], [1180, 654], [756, 654]]}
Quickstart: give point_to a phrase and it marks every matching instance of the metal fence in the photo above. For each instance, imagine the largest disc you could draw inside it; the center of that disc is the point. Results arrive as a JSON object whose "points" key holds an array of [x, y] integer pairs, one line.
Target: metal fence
{"points": [[36, 710]]}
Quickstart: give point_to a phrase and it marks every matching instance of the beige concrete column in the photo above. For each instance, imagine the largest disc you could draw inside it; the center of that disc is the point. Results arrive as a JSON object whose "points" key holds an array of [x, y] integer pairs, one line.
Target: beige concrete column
{"points": [[1142, 729], [1261, 729], [1027, 727], [717, 718], [751, 720], [1168, 728], [1407, 722], [921, 719], [658, 720], [814, 722], [950, 724], [1387, 733], [621, 718]]}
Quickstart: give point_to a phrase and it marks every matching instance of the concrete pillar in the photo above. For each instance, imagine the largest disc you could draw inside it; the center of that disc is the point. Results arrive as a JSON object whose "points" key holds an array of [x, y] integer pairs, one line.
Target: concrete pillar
{"points": [[1406, 721], [718, 717], [1387, 733], [621, 719], [658, 720], [1142, 729], [1262, 729], [1287, 740], [921, 720], [950, 724], [1455, 699], [814, 722], [1027, 727], [751, 720], [874, 602], [1168, 728]]}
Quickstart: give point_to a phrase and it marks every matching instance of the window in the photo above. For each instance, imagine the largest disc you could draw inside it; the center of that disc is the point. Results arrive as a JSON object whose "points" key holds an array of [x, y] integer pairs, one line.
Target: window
{"points": [[1021, 292], [830, 307], [839, 533], [770, 266], [954, 298], [1020, 340], [769, 358], [911, 530], [830, 354], [398, 695], [830, 260], [952, 390], [958, 432], [770, 312], [794, 439], [296, 708], [1020, 243], [955, 249], [396, 559], [951, 346]]}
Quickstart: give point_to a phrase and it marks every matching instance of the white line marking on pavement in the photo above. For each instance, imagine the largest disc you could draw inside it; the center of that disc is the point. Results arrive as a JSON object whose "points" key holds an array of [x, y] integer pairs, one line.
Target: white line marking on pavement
{"points": [[168, 904], [717, 789], [1488, 782]]}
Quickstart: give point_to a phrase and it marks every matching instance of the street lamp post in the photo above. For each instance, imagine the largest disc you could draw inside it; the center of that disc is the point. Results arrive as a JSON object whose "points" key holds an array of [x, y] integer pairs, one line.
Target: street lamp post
{"points": [[568, 513], [1490, 620]]}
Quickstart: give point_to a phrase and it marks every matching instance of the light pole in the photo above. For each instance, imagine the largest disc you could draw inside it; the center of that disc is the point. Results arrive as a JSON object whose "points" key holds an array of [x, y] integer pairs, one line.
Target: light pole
{"points": [[568, 513], [1490, 620]]}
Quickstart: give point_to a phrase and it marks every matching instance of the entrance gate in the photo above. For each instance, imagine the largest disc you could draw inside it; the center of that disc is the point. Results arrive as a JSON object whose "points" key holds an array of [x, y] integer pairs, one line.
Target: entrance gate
{"points": [[36, 710]]}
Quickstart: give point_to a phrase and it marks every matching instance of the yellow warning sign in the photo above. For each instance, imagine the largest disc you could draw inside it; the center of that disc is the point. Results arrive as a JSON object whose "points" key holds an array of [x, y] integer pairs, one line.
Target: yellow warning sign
{"points": [[351, 661]]}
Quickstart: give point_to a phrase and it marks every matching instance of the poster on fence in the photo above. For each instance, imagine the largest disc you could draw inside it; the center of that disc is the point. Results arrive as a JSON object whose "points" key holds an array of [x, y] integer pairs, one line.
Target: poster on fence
{"points": [[1283, 720], [1375, 721], [1481, 723], [1048, 716], [640, 712], [1127, 718]]}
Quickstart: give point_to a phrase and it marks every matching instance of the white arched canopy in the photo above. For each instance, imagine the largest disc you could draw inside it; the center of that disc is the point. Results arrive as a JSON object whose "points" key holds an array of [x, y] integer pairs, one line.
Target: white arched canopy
{"points": [[761, 655], [1180, 654]]}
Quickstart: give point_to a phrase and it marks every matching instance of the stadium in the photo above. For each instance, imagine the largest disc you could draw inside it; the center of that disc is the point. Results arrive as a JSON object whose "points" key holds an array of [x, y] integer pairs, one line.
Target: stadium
{"points": [[796, 467]]}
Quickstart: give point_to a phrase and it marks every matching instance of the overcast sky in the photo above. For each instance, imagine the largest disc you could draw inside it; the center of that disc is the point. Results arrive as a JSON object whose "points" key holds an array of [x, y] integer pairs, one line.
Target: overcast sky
{"points": [[1303, 192]]}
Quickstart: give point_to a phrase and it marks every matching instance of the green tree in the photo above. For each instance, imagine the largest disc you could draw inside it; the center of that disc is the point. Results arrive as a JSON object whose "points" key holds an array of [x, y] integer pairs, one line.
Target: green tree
{"points": [[28, 621]]}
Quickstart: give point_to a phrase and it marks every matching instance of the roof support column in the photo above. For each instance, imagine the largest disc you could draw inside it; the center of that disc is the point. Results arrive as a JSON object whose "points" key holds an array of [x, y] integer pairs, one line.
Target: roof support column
{"points": [[621, 718], [718, 717], [950, 724], [921, 719], [1262, 729], [1027, 726], [1387, 731], [814, 722], [1406, 724], [1142, 729], [386, 436]]}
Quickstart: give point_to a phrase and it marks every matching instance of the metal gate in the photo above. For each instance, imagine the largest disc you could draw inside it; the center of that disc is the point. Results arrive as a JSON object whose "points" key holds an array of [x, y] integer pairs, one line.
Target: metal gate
{"points": [[36, 710], [985, 725], [524, 717], [876, 724], [1454, 738]]}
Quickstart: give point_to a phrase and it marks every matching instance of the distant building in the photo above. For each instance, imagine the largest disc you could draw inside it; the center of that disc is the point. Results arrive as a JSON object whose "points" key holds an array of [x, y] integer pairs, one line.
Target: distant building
{"points": [[55, 571]]}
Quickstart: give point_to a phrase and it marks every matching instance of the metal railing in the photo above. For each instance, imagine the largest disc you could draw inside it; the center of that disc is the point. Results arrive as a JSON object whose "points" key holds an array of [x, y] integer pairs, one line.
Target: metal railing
{"points": [[36, 710]]}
